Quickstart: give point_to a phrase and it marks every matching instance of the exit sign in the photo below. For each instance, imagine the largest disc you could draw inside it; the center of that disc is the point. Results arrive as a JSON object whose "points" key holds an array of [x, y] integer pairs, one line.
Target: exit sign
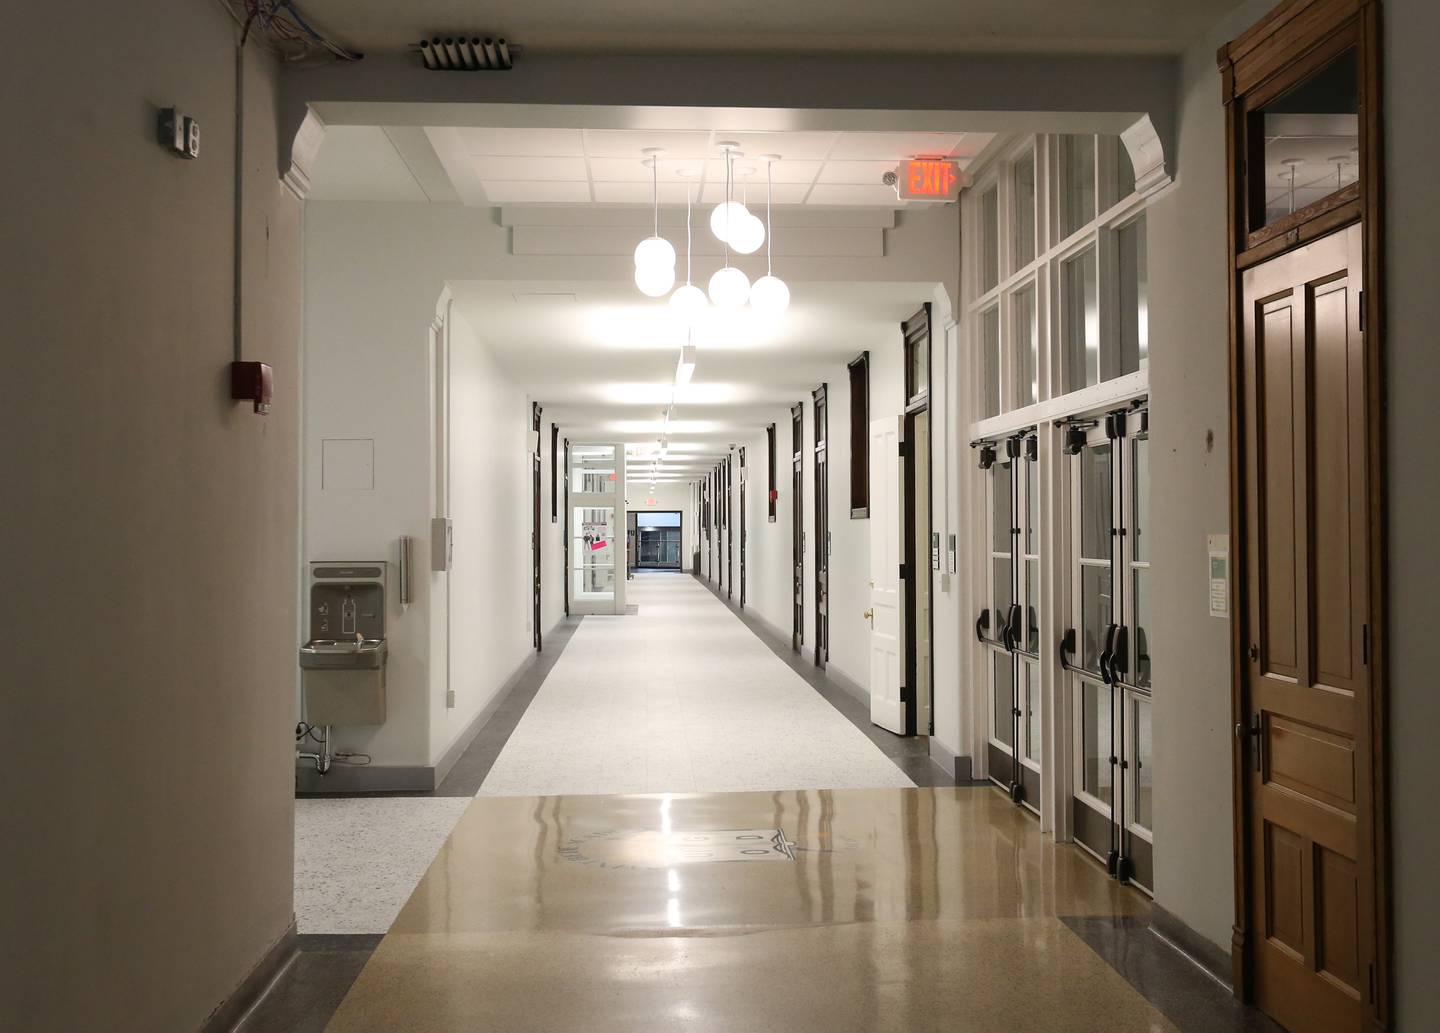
{"points": [[930, 179]]}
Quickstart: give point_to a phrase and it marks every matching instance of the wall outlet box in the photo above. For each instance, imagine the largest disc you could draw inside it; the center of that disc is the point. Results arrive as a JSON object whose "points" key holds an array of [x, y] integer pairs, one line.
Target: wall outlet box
{"points": [[179, 133]]}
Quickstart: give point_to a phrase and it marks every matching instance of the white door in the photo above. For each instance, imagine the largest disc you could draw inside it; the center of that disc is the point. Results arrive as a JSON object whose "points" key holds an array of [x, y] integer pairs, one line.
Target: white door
{"points": [[887, 592]]}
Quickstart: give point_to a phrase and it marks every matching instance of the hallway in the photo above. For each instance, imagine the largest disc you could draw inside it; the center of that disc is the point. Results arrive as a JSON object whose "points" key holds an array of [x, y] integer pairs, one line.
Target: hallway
{"points": [[680, 697]]}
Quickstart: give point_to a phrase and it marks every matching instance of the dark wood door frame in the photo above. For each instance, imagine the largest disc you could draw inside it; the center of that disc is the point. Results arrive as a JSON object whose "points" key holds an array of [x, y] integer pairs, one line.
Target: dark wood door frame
{"points": [[535, 524], [743, 479], [916, 333], [822, 527], [797, 526], [565, 533], [729, 528], [1280, 51]]}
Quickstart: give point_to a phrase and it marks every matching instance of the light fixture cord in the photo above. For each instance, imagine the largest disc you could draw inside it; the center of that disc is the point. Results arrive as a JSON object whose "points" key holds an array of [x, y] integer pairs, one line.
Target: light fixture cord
{"points": [[687, 234], [729, 195], [769, 233], [655, 190]]}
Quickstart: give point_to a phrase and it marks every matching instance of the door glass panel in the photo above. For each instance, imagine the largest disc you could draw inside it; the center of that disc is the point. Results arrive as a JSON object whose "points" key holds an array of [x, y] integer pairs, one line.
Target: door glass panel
{"points": [[1027, 347], [1143, 780], [1032, 608], [1003, 719], [989, 239], [1080, 321], [1032, 497], [1308, 141], [592, 469], [1140, 641], [1095, 521], [1140, 486], [1077, 182], [1032, 711], [990, 356], [1096, 607], [1003, 591], [1004, 517], [1023, 181], [1095, 739]]}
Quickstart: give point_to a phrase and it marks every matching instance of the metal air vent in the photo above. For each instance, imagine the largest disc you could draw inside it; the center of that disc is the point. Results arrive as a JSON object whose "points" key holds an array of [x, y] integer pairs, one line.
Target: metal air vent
{"points": [[467, 54]]}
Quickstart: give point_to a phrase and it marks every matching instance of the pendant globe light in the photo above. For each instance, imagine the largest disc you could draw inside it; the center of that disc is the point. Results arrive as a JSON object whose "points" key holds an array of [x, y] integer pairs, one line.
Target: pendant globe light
{"points": [[729, 287], [747, 233], [654, 256], [728, 212], [688, 300], [769, 295]]}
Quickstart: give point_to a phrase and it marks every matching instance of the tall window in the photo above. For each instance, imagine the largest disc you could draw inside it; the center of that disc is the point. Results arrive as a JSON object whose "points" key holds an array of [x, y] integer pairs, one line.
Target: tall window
{"points": [[860, 436], [772, 487]]}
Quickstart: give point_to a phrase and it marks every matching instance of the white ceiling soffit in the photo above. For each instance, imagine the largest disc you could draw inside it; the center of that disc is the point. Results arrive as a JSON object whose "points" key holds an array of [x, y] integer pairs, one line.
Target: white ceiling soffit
{"points": [[495, 166], [902, 26]]}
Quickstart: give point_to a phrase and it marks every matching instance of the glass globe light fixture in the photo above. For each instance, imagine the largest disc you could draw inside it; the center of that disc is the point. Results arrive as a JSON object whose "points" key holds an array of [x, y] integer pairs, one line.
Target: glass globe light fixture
{"points": [[654, 251], [769, 295], [729, 287], [654, 281], [689, 300], [725, 217], [747, 235]]}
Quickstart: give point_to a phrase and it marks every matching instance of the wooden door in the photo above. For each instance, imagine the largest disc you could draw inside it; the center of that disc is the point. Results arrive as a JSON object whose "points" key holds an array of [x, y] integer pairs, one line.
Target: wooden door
{"points": [[1307, 643]]}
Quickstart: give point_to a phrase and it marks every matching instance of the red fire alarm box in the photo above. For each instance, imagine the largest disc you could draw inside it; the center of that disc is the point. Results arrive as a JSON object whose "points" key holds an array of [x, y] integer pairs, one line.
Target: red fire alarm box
{"points": [[252, 382]]}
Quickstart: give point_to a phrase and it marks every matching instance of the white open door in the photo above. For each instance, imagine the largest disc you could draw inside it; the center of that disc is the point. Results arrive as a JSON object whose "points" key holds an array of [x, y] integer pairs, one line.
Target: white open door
{"points": [[887, 592]]}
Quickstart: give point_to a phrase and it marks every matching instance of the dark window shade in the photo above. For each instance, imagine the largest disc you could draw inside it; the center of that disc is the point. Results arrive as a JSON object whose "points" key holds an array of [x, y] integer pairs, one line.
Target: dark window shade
{"points": [[860, 436]]}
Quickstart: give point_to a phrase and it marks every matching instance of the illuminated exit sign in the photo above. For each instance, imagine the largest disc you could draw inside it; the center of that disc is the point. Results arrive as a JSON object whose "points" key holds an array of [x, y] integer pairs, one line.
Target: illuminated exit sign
{"points": [[930, 179]]}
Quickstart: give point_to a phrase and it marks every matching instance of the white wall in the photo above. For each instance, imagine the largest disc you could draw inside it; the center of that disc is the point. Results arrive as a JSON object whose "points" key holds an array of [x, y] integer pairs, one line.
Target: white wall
{"points": [[150, 525], [1189, 382], [1412, 154], [491, 611]]}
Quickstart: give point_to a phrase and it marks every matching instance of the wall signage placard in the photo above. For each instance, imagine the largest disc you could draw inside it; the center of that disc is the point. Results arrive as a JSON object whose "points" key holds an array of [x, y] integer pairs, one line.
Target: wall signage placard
{"points": [[930, 179]]}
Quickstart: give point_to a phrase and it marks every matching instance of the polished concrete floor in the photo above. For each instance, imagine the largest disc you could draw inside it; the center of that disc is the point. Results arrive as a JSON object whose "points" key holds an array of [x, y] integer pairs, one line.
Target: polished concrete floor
{"points": [[894, 909]]}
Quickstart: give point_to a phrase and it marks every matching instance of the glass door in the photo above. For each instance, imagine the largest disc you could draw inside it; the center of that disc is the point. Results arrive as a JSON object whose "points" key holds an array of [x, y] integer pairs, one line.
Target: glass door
{"points": [[1009, 627], [1106, 652], [595, 486]]}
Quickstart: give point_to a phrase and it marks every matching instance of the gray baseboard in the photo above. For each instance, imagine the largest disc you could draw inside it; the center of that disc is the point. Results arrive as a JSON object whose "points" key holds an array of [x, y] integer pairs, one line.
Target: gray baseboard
{"points": [[961, 769], [231, 1012], [1210, 956], [395, 778], [843, 681]]}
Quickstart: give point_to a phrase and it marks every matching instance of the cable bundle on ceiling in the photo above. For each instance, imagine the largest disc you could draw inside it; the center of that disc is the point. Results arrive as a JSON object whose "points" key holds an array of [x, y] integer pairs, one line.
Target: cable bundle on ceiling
{"points": [[283, 29]]}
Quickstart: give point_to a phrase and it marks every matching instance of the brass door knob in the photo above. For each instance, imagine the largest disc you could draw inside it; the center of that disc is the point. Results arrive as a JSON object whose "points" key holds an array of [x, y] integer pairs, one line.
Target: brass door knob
{"points": [[870, 616]]}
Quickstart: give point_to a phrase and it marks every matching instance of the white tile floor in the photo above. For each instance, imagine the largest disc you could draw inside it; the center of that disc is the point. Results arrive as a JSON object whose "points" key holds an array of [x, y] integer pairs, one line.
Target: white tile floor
{"points": [[680, 697]]}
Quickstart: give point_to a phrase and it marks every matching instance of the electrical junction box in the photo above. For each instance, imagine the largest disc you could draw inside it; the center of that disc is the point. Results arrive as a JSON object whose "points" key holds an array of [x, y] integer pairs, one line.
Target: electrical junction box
{"points": [[179, 133]]}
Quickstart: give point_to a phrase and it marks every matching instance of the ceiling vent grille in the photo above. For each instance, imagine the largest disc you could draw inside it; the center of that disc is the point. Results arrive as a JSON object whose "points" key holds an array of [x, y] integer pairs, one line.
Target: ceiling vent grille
{"points": [[467, 54]]}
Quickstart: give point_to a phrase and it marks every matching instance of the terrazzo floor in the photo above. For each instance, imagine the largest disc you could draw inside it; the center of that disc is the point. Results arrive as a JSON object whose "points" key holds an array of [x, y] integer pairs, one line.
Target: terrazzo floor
{"points": [[357, 860], [680, 698]]}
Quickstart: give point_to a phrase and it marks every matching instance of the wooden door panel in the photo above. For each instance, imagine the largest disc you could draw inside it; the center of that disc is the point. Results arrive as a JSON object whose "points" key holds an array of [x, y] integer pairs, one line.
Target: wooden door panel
{"points": [[1336, 459], [1276, 463], [1306, 678]]}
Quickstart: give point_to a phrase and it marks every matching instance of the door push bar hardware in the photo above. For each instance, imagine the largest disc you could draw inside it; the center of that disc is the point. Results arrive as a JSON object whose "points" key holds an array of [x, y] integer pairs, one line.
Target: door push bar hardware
{"points": [[1067, 650]]}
